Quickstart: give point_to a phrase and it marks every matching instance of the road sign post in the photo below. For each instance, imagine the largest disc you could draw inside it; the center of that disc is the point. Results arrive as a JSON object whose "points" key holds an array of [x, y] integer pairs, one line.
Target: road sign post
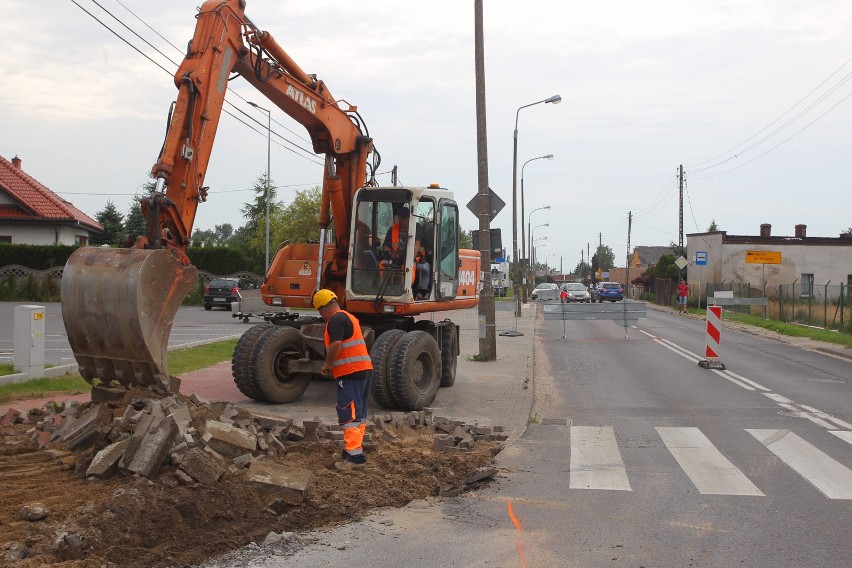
{"points": [[700, 260]]}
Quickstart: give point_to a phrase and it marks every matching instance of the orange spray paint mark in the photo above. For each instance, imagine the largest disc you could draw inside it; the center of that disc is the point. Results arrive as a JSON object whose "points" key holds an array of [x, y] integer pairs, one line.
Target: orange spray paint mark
{"points": [[521, 561]]}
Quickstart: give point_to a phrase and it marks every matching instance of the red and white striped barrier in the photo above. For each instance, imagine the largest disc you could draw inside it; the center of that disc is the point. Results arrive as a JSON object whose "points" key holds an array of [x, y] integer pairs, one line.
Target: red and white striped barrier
{"points": [[714, 336]]}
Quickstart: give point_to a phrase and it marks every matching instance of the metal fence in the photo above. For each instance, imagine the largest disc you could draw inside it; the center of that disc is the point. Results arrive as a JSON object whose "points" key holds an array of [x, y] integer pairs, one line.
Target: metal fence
{"points": [[820, 305]]}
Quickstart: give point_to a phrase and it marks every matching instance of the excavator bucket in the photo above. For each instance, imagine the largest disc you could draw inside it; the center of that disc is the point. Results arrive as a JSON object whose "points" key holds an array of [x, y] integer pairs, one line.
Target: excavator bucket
{"points": [[118, 306]]}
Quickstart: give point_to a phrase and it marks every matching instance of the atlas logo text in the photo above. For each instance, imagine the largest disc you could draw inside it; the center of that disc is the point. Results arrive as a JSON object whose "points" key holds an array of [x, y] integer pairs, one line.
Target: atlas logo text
{"points": [[302, 99]]}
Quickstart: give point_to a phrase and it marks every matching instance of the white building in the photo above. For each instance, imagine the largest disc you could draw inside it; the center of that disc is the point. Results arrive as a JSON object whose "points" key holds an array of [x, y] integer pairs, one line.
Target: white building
{"points": [[805, 261], [32, 214]]}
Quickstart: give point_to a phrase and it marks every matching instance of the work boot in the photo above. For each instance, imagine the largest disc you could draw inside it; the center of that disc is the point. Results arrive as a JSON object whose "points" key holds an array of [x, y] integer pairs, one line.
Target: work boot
{"points": [[346, 465]]}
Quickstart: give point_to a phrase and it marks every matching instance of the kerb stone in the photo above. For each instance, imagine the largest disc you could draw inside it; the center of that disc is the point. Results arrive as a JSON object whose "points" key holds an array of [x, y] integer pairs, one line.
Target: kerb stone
{"points": [[229, 441], [106, 460], [289, 483], [153, 450], [201, 466]]}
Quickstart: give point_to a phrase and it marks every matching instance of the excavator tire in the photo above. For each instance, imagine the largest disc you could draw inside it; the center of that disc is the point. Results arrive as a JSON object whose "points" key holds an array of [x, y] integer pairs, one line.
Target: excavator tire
{"points": [[269, 360], [241, 367], [380, 354], [449, 355], [415, 370]]}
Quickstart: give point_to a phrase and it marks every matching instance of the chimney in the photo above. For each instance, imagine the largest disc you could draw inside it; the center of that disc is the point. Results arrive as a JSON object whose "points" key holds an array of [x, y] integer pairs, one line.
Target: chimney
{"points": [[765, 230], [801, 231], [16, 161]]}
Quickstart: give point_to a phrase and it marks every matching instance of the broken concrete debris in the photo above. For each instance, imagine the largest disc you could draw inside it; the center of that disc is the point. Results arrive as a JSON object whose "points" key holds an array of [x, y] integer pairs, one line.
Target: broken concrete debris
{"points": [[198, 442]]}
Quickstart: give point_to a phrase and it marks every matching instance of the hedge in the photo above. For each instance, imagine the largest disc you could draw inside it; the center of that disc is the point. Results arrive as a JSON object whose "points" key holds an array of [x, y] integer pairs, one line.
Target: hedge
{"points": [[218, 260]]}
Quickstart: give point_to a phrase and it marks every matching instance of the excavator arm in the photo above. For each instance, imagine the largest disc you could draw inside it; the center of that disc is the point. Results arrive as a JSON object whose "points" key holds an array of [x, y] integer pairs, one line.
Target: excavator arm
{"points": [[119, 304]]}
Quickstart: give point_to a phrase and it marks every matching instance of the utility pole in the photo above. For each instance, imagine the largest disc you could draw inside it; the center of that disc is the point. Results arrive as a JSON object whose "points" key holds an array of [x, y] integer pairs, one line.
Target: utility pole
{"points": [[487, 326], [627, 278], [394, 178], [600, 240], [680, 186]]}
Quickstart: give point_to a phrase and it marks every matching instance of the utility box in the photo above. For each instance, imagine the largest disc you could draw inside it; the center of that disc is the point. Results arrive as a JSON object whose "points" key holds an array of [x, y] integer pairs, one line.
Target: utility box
{"points": [[29, 340]]}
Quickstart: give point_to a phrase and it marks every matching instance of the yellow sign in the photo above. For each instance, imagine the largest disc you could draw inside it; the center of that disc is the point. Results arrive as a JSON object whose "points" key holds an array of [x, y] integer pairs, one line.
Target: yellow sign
{"points": [[38, 315], [763, 257]]}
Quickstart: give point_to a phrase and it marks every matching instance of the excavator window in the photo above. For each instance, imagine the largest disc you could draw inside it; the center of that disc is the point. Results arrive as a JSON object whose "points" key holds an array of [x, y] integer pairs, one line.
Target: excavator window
{"points": [[376, 270], [448, 249]]}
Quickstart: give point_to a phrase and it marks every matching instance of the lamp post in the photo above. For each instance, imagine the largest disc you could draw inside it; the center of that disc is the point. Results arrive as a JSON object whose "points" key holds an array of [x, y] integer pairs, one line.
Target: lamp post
{"points": [[523, 240], [529, 230], [268, 180], [534, 254], [546, 265], [555, 99]]}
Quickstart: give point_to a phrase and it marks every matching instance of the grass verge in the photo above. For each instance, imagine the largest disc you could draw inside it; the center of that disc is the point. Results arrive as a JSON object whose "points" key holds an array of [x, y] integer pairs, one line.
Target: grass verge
{"points": [[790, 329], [180, 361]]}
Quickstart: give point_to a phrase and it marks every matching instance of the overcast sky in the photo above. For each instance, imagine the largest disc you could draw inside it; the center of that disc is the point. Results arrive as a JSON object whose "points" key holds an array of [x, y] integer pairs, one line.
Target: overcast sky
{"points": [[749, 96]]}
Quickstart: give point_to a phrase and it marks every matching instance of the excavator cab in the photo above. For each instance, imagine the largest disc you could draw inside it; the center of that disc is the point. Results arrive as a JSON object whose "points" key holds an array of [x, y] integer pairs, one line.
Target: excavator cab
{"points": [[404, 245]]}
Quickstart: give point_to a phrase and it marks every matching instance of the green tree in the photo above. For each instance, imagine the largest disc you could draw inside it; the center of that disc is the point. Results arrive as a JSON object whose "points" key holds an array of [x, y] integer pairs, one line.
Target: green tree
{"points": [[254, 212], [113, 223], [666, 268], [847, 231], [713, 227], [223, 234], [465, 239], [603, 258], [297, 222], [134, 221]]}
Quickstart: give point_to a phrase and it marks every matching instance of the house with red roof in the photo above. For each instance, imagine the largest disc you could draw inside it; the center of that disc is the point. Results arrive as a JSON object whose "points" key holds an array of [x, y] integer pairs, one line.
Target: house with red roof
{"points": [[32, 214]]}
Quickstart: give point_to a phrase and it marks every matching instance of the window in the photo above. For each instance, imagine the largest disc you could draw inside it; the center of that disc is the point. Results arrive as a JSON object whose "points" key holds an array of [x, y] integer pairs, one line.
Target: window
{"points": [[7, 239], [807, 286], [81, 240]]}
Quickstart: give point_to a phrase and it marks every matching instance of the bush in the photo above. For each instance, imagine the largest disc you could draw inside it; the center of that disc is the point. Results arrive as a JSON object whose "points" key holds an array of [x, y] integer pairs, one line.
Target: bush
{"points": [[37, 257]]}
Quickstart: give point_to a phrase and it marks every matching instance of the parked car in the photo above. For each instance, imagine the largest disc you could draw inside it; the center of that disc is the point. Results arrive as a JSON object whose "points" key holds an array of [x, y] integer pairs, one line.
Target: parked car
{"points": [[221, 292], [546, 291], [611, 291], [577, 292]]}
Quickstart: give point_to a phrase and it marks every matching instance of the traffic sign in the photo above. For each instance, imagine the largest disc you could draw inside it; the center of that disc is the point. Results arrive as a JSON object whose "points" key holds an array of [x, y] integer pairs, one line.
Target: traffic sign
{"points": [[763, 257], [495, 205], [681, 262], [701, 258]]}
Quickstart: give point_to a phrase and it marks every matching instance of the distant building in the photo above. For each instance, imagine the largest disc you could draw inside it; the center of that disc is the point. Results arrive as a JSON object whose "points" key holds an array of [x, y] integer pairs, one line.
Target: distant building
{"points": [[645, 257], [32, 214], [807, 261]]}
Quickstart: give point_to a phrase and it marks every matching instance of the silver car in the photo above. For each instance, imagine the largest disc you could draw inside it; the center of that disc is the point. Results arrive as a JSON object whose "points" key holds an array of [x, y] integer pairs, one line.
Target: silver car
{"points": [[546, 291], [577, 292]]}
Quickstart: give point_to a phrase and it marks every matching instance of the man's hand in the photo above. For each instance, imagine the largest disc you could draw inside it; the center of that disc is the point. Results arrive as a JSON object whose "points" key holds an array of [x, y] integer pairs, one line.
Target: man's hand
{"points": [[326, 370]]}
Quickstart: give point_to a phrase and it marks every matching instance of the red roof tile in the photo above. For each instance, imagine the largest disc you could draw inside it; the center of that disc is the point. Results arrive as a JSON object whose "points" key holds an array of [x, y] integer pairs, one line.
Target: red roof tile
{"points": [[35, 201]]}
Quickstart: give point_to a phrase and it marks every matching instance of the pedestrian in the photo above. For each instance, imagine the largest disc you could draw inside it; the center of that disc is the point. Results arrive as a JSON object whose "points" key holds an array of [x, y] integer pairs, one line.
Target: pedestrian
{"points": [[682, 295], [348, 361], [563, 295]]}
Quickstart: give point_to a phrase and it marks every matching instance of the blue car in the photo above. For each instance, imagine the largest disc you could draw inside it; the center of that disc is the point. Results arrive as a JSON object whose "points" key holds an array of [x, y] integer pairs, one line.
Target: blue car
{"points": [[611, 291]]}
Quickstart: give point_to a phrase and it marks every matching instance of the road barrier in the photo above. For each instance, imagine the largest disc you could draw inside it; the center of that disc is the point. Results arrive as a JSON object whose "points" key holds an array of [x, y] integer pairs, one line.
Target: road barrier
{"points": [[714, 336], [624, 313]]}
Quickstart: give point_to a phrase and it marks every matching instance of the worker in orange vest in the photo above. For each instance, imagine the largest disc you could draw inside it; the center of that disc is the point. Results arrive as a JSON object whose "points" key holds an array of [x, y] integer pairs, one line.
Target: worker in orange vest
{"points": [[348, 361], [395, 245]]}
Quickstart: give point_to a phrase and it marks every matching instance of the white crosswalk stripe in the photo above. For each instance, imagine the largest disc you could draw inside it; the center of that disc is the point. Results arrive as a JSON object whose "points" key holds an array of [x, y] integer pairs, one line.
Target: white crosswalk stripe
{"points": [[707, 468], [595, 459], [832, 478], [596, 462]]}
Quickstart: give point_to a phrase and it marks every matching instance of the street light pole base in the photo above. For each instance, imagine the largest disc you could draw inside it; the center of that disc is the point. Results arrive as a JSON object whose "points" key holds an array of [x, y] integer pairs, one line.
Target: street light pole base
{"points": [[510, 333]]}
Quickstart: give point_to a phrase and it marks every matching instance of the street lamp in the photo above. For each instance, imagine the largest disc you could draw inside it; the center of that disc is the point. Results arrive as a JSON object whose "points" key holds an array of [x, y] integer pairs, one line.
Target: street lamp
{"points": [[532, 244], [268, 180], [546, 265], [523, 240], [529, 226], [555, 99]]}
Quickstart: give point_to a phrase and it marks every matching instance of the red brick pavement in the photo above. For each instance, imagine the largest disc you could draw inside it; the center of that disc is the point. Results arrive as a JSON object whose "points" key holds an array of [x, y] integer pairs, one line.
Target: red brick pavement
{"points": [[213, 383]]}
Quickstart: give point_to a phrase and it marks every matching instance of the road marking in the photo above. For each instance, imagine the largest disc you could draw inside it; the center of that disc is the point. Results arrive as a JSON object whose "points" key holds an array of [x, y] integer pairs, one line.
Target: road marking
{"points": [[675, 348], [832, 478], [826, 416], [707, 468], [844, 435], [747, 381], [595, 460], [733, 380]]}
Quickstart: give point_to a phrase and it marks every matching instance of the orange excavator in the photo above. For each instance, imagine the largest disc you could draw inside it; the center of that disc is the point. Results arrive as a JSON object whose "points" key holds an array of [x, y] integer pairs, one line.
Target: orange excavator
{"points": [[390, 254]]}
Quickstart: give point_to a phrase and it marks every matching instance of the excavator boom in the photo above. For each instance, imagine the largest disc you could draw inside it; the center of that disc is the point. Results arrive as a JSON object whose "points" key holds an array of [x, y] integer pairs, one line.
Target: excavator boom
{"points": [[119, 304]]}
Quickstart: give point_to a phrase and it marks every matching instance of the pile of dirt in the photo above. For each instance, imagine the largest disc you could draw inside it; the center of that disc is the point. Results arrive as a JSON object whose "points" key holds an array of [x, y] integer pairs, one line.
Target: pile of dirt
{"points": [[52, 514]]}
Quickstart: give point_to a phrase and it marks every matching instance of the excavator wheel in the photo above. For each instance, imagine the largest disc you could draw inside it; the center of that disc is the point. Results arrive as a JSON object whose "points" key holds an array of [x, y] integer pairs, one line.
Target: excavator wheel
{"points": [[241, 367], [449, 355], [269, 362], [380, 354], [415, 370]]}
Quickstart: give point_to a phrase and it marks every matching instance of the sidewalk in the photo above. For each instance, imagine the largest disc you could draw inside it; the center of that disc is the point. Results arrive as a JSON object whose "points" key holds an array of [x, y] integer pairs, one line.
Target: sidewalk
{"points": [[494, 393]]}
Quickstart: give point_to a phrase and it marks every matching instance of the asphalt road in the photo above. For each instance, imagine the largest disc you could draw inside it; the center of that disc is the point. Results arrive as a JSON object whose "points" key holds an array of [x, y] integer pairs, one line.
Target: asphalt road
{"points": [[637, 457], [192, 324]]}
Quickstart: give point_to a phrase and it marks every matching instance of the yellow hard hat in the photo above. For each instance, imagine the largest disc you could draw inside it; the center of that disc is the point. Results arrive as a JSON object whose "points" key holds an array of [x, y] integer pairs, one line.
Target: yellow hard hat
{"points": [[323, 297]]}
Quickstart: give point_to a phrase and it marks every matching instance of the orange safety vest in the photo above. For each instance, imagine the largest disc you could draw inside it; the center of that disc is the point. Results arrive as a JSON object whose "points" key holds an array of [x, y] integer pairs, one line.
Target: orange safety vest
{"points": [[395, 248], [353, 355]]}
